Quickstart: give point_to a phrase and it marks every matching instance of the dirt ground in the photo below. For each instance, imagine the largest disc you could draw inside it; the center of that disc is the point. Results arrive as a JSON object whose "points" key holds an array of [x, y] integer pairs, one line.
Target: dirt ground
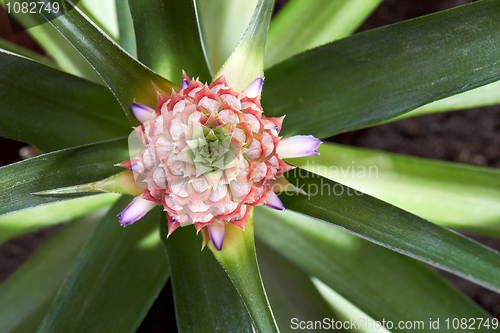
{"points": [[471, 136]]}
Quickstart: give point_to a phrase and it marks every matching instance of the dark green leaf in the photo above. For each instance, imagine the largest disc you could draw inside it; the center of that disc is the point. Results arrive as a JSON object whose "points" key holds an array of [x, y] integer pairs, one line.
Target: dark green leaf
{"points": [[290, 290], [21, 223], [246, 63], [455, 195], [62, 168], [483, 96], [19, 50], [127, 78], [304, 24], [114, 280], [58, 48], [205, 298], [169, 39], [26, 296], [379, 74], [393, 228], [63, 111], [380, 282]]}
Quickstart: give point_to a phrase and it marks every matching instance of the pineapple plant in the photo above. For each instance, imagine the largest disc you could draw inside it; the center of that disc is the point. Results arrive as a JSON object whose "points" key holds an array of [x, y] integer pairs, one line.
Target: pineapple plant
{"points": [[214, 150]]}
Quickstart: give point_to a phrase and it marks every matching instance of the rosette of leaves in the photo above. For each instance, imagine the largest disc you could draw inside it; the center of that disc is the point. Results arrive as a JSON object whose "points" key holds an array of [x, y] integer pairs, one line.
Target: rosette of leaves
{"points": [[335, 253]]}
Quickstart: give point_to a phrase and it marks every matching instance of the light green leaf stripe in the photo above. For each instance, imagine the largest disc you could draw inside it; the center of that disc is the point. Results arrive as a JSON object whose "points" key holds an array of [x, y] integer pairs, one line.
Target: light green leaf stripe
{"points": [[26, 295], [27, 221], [169, 38], [482, 96], [455, 195], [67, 167], [238, 258], [346, 309], [376, 75], [393, 228], [114, 280], [290, 290], [358, 271], [128, 79], [223, 23], [102, 13], [246, 63], [305, 24], [205, 299]]}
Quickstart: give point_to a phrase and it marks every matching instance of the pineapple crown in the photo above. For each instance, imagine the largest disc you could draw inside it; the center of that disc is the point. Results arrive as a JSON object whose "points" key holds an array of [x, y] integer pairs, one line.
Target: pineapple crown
{"points": [[208, 156]]}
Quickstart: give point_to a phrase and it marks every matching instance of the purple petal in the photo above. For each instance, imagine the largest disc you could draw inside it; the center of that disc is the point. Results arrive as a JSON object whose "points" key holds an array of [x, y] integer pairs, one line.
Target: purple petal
{"points": [[135, 210], [272, 201], [137, 167], [143, 113], [298, 146], [216, 231], [184, 84], [255, 88]]}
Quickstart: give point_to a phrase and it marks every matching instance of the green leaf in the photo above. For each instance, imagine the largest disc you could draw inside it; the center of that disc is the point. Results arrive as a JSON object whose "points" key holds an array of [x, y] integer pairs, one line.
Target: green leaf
{"points": [[379, 74], [455, 195], [246, 63], [380, 282], [238, 258], [19, 50], [26, 296], [223, 23], [393, 228], [114, 280], [58, 48], [305, 24], [289, 289], [483, 96], [126, 27], [121, 183], [346, 309], [205, 299], [102, 13], [127, 78], [72, 166], [64, 111], [27, 221], [169, 39]]}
